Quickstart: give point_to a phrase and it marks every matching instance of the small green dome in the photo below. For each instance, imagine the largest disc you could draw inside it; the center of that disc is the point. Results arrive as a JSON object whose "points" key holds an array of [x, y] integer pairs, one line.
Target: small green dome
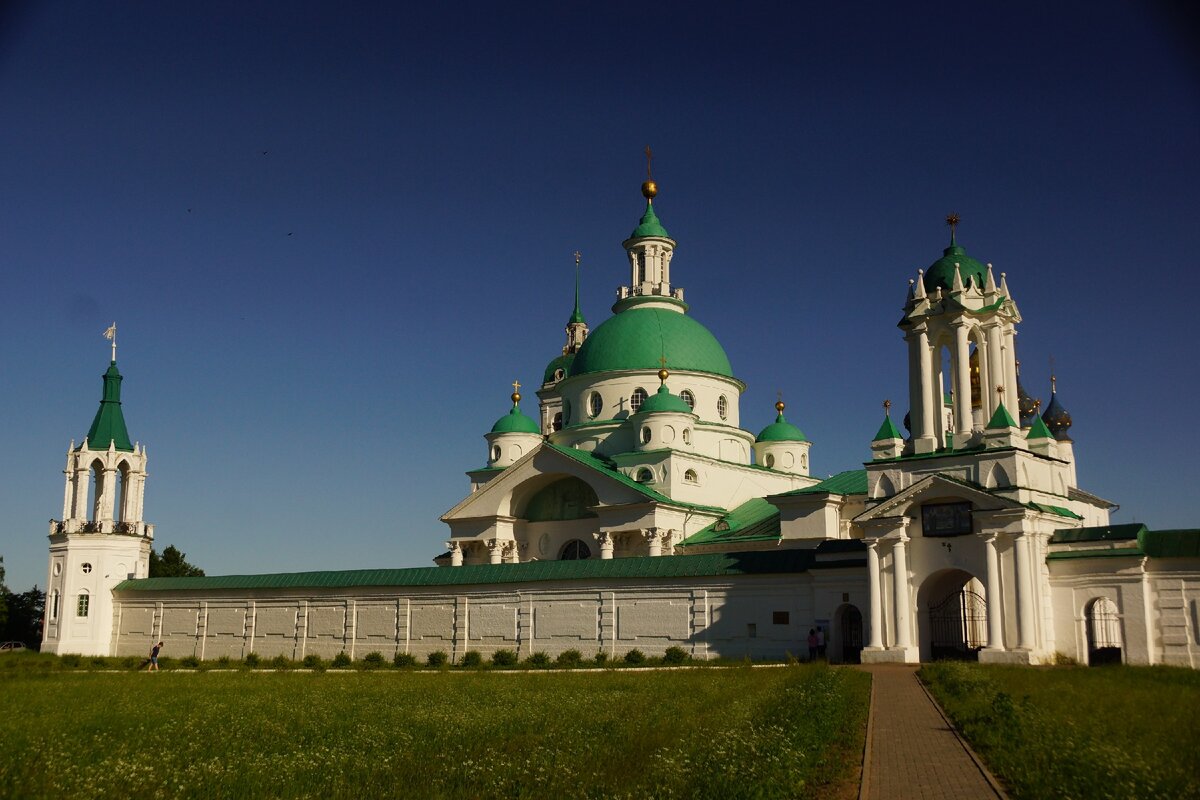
{"points": [[638, 338], [649, 226], [663, 400], [515, 422], [563, 363], [781, 431], [941, 272]]}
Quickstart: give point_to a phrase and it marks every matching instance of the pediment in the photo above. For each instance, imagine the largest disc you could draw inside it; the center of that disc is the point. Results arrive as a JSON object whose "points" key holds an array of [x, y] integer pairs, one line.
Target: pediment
{"points": [[933, 488], [542, 466]]}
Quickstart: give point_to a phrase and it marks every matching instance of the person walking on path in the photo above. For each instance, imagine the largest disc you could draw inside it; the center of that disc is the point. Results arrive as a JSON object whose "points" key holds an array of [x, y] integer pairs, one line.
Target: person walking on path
{"points": [[154, 657]]}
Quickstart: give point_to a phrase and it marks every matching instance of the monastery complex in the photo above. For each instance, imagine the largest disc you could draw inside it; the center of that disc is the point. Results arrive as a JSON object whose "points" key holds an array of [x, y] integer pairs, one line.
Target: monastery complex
{"points": [[631, 509]]}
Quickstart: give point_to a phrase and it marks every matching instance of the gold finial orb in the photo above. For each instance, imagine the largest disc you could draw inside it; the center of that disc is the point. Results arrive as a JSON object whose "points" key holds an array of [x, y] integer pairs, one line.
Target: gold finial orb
{"points": [[663, 374], [780, 406], [516, 397], [649, 190]]}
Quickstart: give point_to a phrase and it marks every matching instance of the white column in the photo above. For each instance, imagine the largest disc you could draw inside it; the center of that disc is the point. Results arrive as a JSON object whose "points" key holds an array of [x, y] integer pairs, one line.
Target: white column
{"points": [[606, 545], [653, 540], [495, 551], [995, 372], [67, 495], [1025, 580], [82, 477], [925, 411], [456, 554], [995, 603], [962, 380], [874, 595], [900, 584], [915, 392], [1010, 373]]}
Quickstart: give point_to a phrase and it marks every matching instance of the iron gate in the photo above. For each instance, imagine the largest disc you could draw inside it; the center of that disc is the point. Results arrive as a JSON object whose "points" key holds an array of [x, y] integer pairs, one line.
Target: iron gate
{"points": [[852, 634], [958, 626]]}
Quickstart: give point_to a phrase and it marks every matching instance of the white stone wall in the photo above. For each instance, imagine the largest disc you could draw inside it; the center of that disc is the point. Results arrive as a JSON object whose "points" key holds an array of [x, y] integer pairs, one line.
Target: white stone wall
{"points": [[708, 617]]}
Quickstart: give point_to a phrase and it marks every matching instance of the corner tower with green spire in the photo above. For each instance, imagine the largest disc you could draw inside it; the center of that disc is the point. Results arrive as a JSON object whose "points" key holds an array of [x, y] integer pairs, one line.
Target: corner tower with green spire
{"points": [[102, 537]]}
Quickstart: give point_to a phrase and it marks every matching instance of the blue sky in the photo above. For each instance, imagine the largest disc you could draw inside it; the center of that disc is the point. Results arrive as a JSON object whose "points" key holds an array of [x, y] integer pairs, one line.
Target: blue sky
{"points": [[332, 236]]}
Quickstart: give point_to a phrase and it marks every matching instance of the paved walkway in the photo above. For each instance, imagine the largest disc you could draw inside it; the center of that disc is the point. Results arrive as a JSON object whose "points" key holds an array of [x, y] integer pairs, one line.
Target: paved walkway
{"points": [[912, 751]]}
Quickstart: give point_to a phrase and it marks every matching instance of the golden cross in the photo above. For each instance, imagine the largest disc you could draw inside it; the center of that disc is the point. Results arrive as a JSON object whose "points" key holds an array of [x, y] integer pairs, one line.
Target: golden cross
{"points": [[516, 386], [649, 156]]}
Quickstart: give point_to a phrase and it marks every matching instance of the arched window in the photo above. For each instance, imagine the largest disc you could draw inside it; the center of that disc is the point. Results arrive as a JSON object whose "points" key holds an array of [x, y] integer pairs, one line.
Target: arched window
{"points": [[689, 398], [574, 550], [644, 475], [690, 476], [495, 452], [637, 398], [121, 510], [96, 491], [54, 598], [645, 434], [687, 435], [1103, 632], [722, 407], [557, 423], [770, 461], [595, 404], [81, 604]]}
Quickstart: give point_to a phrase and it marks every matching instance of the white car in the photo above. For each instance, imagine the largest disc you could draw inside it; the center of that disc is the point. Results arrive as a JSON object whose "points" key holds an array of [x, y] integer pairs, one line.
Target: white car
{"points": [[8, 647]]}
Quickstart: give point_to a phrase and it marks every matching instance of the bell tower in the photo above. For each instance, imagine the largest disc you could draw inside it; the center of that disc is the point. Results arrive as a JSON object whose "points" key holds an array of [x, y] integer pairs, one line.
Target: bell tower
{"points": [[957, 319], [650, 249], [102, 538]]}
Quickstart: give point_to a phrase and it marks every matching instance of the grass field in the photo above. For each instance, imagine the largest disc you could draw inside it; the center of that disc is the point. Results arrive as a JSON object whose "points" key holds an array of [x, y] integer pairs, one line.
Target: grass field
{"points": [[1112, 732], [788, 732]]}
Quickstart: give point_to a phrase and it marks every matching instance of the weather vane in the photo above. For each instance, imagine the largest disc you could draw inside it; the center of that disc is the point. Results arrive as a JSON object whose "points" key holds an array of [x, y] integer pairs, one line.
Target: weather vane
{"points": [[111, 335]]}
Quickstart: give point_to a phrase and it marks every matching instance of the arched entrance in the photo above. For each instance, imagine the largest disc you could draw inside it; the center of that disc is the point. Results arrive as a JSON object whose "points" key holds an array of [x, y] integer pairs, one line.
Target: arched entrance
{"points": [[953, 611], [848, 634], [1103, 622]]}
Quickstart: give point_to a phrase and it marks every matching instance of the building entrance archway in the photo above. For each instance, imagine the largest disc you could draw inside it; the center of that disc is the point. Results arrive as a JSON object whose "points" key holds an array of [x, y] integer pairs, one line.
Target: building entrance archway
{"points": [[847, 635], [953, 616]]}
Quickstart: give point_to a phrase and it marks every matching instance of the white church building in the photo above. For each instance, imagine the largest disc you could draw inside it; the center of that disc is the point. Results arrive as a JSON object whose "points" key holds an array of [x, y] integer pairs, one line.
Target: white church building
{"points": [[634, 511]]}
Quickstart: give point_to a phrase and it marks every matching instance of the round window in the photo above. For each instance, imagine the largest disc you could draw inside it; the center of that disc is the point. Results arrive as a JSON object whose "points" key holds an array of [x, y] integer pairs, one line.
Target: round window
{"points": [[722, 406], [637, 398], [770, 461], [86, 568], [595, 404], [645, 435], [644, 475], [689, 398], [559, 374]]}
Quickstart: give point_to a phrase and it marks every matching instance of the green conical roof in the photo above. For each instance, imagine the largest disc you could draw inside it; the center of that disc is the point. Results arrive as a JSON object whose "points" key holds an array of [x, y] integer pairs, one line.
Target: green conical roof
{"points": [[1001, 419], [650, 226], [1038, 430], [663, 400], [109, 424], [887, 430], [576, 315], [781, 431], [515, 422]]}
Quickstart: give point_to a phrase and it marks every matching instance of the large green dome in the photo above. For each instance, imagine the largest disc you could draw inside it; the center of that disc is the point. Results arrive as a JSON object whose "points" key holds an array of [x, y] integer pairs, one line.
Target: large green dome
{"points": [[638, 338], [941, 272]]}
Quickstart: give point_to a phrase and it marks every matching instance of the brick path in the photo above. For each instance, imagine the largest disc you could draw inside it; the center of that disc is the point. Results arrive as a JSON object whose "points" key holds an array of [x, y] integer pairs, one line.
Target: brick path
{"points": [[912, 752]]}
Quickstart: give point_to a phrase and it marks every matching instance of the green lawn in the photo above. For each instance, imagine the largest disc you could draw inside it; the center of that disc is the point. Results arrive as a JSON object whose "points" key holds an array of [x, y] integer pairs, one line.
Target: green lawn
{"points": [[1074, 732], [787, 732]]}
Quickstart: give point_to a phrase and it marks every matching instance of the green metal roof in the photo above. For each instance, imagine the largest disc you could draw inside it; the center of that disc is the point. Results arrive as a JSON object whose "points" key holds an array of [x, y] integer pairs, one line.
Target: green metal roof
{"points": [[109, 423], [649, 225], [659, 567], [941, 272], [639, 338], [515, 422], [852, 481], [607, 467], [562, 362], [1175, 543], [1038, 430], [1001, 419], [754, 520], [781, 431], [1102, 533], [1056, 510], [663, 400], [887, 430]]}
